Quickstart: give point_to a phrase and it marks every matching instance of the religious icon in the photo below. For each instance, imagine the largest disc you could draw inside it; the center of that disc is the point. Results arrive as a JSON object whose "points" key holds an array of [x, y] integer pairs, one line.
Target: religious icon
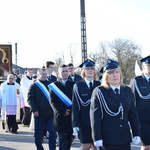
{"points": [[5, 60]]}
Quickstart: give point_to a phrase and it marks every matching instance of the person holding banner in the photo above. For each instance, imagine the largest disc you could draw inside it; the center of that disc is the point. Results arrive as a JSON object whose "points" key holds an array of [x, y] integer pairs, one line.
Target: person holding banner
{"points": [[39, 101], [141, 88], [82, 92], [61, 101]]}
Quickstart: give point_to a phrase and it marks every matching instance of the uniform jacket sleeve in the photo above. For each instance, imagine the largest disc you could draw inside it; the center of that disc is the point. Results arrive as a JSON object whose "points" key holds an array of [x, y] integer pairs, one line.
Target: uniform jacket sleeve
{"points": [[75, 108], [95, 116], [31, 98], [133, 116]]}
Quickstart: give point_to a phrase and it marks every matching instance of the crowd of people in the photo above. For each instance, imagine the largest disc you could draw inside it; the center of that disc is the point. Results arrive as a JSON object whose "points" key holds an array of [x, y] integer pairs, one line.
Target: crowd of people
{"points": [[103, 115]]}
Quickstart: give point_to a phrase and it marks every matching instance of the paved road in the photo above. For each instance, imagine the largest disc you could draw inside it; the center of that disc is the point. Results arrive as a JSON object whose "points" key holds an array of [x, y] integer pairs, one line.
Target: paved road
{"points": [[25, 140]]}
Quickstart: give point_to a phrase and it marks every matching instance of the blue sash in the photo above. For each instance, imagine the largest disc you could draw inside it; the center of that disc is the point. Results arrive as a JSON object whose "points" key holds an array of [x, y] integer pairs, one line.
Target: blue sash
{"points": [[43, 89], [60, 94]]}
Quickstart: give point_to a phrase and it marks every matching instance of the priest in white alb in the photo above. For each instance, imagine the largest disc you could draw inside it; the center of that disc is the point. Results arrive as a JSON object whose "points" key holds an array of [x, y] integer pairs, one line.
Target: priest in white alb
{"points": [[11, 102]]}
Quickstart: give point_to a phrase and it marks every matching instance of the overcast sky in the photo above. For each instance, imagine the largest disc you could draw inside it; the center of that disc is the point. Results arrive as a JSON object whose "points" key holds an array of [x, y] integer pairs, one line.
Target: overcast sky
{"points": [[44, 29]]}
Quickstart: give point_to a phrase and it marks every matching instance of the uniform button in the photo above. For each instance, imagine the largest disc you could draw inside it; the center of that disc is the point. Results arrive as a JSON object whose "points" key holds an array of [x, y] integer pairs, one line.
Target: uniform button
{"points": [[120, 126]]}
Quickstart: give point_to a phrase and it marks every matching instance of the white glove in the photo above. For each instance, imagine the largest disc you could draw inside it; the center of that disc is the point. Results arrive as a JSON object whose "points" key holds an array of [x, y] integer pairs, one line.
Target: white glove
{"points": [[136, 140], [75, 130], [98, 143]]}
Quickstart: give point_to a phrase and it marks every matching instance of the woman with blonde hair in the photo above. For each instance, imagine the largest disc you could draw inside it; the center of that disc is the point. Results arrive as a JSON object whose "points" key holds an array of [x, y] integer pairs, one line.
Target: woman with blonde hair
{"points": [[81, 104], [112, 109]]}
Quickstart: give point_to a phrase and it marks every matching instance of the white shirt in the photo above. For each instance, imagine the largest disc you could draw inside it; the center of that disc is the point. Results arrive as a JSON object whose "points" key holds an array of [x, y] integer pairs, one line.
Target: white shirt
{"points": [[147, 77], [25, 85], [63, 82], [113, 88], [88, 83]]}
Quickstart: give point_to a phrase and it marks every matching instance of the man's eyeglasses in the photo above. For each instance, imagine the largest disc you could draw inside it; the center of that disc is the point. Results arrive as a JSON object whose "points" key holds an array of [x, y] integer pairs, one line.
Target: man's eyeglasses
{"points": [[70, 67]]}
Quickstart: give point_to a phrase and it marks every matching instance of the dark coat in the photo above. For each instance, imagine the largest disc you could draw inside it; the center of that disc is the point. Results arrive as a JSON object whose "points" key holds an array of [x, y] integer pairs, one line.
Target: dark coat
{"points": [[38, 101], [62, 123], [53, 79], [77, 78], [142, 105], [113, 129], [80, 115]]}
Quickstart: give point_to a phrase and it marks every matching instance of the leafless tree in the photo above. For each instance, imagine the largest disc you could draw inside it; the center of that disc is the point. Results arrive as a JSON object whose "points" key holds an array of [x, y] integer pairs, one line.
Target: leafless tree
{"points": [[72, 49], [99, 57], [59, 59], [125, 51]]}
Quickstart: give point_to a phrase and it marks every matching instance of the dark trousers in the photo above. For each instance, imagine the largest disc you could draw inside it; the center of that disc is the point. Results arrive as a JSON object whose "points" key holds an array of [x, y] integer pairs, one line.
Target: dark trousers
{"points": [[145, 133], [21, 114], [65, 140], [39, 124], [44, 131], [11, 124], [116, 147], [26, 116]]}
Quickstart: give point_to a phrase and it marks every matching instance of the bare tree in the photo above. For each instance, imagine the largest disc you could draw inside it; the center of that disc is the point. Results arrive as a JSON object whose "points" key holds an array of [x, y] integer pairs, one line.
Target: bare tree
{"points": [[99, 57], [59, 59], [125, 51], [72, 48]]}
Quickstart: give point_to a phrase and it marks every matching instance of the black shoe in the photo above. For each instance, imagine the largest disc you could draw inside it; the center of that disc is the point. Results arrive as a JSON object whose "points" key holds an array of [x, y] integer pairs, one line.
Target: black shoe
{"points": [[14, 132]]}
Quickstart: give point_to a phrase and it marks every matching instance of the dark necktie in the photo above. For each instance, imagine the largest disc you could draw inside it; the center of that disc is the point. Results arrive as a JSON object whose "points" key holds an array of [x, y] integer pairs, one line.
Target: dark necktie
{"points": [[49, 78], [91, 86], [116, 91]]}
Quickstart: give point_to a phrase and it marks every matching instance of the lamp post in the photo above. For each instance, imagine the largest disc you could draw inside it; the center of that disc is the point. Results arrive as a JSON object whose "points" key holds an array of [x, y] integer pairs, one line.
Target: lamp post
{"points": [[16, 46], [83, 31], [16, 57]]}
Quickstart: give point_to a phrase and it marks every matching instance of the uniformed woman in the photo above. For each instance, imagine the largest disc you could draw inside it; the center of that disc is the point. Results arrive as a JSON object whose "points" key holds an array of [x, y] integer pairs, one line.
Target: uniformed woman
{"points": [[141, 89], [81, 104], [113, 112]]}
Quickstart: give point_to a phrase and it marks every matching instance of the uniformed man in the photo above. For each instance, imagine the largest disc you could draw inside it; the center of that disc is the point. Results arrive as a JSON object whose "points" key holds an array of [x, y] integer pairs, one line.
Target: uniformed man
{"points": [[39, 101], [61, 101], [72, 75], [141, 89]]}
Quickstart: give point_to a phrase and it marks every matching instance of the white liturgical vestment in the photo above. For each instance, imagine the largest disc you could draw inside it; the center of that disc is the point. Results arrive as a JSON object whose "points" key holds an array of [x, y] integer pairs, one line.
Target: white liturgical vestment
{"points": [[11, 100]]}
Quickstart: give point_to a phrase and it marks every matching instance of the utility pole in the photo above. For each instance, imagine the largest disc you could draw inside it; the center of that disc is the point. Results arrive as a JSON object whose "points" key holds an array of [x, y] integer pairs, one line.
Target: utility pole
{"points": [[16, 57], [83, 31]]}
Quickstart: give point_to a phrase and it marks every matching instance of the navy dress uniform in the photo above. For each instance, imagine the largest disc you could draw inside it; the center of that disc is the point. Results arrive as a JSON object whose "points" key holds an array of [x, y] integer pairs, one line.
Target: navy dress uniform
{"points": [[75, 78], [62, 123], [52, 78], [141, 89], [112, 112], [81, 104]]}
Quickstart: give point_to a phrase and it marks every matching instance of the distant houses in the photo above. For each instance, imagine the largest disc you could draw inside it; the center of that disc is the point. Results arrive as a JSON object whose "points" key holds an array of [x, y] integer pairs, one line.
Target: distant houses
{"points": [[20, 70]]}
